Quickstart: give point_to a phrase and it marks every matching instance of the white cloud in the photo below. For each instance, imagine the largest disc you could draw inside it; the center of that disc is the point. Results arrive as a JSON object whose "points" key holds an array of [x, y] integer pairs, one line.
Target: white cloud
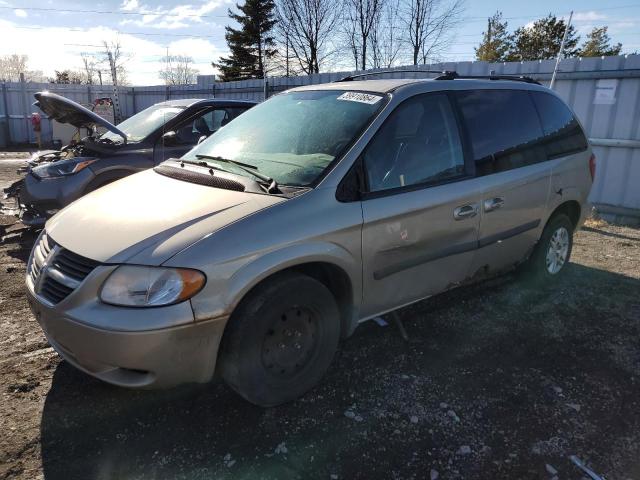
{"points": [[588, 16], [64, 47], [20, 13], [129, 5], [160, 17]]}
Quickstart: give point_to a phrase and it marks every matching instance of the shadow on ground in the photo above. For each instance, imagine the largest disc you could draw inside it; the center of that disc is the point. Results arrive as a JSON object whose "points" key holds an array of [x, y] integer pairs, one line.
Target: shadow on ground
{"points": [[523, 375]]}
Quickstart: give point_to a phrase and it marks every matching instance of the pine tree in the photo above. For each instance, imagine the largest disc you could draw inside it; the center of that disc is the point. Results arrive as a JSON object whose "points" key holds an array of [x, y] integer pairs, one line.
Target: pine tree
{"points": [[598, 44], [542, 40], [496, 41], [252, 45]]}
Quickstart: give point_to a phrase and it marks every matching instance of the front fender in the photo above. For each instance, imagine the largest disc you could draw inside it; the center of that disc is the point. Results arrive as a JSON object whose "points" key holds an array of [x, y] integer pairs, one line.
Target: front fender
{"points": [[221, 296]]}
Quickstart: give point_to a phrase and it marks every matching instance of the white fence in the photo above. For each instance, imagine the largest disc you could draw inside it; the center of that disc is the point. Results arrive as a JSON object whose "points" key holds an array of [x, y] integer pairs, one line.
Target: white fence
{"points": [[604, 93]]}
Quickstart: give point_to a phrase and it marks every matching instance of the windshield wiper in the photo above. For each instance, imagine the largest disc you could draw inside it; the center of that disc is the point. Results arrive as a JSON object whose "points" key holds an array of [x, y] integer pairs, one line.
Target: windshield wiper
{"points": [[200, 164], [270, 184]]}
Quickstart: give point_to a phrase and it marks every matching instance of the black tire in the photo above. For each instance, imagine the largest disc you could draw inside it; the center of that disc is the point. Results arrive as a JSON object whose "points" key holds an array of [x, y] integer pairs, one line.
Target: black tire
{"points": [[280, 340], [537, 265]]}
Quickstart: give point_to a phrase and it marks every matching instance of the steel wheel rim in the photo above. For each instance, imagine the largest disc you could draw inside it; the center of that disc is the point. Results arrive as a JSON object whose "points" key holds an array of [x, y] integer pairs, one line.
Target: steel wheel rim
{"points": [[290, 342], [558, 250]]}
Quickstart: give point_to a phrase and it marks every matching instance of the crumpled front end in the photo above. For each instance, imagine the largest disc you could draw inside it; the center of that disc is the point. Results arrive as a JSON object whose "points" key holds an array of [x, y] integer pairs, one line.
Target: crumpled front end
{"points": [[33, 207]]}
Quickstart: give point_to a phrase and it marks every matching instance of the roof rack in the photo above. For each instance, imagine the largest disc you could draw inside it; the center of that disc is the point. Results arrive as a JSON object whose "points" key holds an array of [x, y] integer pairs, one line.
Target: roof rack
{"points": [[446, 75], [349, 78]]}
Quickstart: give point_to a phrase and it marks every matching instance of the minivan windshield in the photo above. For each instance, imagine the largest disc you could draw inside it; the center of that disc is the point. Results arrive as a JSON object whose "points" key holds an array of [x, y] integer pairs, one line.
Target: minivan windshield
{"points": [[292, 137], [143, 123]]}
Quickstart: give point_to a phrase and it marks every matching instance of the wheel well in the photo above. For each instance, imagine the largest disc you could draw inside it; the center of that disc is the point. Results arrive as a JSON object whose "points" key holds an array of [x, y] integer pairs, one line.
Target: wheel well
{"points": [[332, 277], [571, 209]]}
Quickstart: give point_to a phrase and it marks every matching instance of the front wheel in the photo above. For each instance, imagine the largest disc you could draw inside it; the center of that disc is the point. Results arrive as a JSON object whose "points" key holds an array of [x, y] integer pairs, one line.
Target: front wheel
{"points": [[552, 253], [280, 340]]}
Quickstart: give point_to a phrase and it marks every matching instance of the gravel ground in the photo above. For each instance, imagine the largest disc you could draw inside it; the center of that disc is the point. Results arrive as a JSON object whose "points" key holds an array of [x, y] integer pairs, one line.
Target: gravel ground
{"points": [[505, 379]]}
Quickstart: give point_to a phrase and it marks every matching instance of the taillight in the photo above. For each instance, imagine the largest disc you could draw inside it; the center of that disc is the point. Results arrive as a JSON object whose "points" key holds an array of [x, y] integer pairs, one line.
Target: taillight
{"points": [[592, 166]]}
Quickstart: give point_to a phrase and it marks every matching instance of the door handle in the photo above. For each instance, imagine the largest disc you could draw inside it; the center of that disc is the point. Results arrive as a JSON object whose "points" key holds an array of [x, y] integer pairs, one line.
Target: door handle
{"points": [[466, 211], [492, 204]]}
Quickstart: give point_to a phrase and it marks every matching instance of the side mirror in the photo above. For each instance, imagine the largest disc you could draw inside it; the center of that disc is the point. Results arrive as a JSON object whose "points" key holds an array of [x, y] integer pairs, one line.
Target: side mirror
{"points": [[202, 139], [170, 138]]}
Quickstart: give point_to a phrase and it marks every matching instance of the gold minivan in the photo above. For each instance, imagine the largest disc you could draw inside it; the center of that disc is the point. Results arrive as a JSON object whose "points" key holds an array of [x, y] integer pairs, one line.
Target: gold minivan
{"points": [[325, 206]]}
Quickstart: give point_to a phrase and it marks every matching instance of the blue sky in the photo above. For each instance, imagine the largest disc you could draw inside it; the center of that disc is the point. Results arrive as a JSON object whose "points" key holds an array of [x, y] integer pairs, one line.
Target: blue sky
{"points": [[54, 32]]}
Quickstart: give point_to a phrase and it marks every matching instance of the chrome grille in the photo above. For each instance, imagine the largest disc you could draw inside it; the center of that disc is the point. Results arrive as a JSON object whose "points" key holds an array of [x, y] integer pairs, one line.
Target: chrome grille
{"points": [[40, 252], [55, 271], [54, 291], [73, 265]]}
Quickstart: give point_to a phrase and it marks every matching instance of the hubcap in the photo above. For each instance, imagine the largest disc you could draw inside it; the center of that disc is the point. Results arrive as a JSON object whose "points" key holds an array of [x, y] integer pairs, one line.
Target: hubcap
{"points": [[558, 250], [290, 342]]}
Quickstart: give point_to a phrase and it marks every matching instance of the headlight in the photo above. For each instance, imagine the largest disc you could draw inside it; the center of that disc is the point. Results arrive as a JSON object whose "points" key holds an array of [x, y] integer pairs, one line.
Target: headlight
{"points": [[62, 168], [136, 286]]}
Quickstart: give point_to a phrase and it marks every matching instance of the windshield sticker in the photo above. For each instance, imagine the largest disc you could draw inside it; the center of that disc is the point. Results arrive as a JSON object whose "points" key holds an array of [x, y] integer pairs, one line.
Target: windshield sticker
{"points": [[360, 97]]}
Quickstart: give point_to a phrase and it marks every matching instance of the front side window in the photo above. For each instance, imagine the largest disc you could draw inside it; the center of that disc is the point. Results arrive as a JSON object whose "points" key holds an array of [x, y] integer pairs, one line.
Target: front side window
{"points": [[418, 144], [137, 127], [293, 137], [504, 129], [562, 133], [204, 123]]}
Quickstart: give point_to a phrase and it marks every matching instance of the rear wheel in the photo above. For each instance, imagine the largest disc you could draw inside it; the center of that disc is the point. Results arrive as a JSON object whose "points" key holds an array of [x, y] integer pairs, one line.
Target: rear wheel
{"points": [[552, 253], [280, 340]]}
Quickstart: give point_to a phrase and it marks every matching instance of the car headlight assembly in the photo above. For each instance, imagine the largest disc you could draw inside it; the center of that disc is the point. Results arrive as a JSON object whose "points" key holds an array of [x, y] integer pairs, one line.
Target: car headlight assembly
{"points": [[139, 286], [62, 168]]}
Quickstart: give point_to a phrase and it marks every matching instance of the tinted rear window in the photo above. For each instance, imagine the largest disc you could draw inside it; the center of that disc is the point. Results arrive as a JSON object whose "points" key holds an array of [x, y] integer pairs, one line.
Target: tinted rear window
{"points": [[504, 129], [563, 134]]}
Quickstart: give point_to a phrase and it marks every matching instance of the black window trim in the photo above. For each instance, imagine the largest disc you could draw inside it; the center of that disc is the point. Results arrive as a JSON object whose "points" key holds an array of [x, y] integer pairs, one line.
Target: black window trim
{"points": [[469, 167]]}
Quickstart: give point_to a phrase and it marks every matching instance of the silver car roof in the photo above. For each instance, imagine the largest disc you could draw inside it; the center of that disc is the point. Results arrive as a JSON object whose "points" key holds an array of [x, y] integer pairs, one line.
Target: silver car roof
{"points": [[187, 102], [390, 85]]}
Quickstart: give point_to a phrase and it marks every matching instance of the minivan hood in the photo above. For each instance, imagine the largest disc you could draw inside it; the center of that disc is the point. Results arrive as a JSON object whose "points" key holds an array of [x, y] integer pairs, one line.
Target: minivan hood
{"points": [[147, 218], [63, 110]]}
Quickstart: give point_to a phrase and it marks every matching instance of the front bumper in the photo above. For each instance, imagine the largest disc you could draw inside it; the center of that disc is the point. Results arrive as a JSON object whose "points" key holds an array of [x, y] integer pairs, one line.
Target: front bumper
{"points": [[44, 196], [157, 358]]}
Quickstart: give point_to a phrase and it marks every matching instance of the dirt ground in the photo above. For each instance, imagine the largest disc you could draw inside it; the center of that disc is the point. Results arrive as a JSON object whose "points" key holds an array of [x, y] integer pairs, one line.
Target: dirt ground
{"points": [[505, 379]]}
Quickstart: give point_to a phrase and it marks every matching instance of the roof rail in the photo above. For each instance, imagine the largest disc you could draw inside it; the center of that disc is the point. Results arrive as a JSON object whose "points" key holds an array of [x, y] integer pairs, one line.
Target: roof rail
{"points": [[445, 75], [349, 78], [513, 78]]}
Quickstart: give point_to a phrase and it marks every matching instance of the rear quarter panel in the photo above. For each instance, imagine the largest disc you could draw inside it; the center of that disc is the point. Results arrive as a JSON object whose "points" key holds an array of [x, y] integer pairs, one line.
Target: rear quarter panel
{"points": [[571, 180]]}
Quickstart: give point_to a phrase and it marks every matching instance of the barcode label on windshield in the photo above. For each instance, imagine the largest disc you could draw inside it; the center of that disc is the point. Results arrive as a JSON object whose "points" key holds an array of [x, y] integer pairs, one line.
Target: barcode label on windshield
{"points": [[360, 97]]}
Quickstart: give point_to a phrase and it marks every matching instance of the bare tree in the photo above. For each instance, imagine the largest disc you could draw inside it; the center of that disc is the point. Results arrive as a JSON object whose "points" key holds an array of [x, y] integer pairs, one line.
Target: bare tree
{"points": [[350, 40], [364, 16], [429, 24], [309, 26], [386, 38], [11, 66], [178, 70], [120, 57], [90, 65], [68, 77]]}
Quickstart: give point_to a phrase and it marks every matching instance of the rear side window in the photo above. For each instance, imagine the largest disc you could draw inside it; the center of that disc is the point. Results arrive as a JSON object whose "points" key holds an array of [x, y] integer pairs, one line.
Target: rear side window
{"points": [[562, 133], [504, 129]]}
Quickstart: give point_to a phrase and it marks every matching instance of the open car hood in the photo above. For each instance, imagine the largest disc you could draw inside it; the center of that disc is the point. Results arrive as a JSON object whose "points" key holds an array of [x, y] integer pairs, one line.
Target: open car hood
{"points": [[63, 110]]}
